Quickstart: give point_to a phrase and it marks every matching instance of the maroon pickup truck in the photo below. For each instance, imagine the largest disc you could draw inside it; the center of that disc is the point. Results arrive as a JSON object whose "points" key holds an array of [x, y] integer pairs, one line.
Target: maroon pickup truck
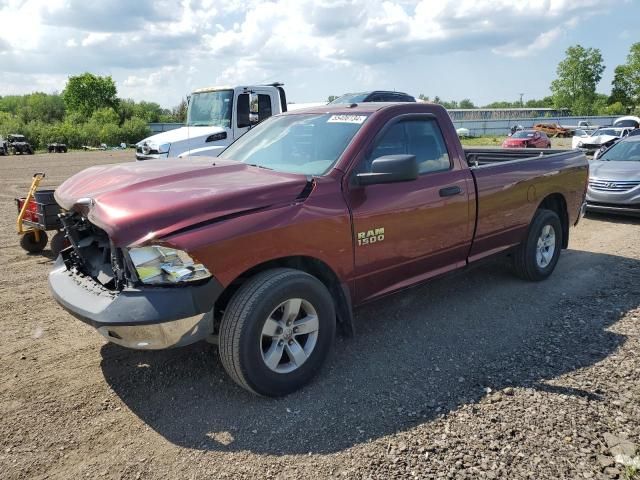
{"points": [[267, 248]]}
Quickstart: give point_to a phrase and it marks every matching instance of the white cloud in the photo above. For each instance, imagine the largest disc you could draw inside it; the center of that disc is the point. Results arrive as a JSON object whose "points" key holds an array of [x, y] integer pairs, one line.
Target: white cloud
{"points": [[148, 45]]}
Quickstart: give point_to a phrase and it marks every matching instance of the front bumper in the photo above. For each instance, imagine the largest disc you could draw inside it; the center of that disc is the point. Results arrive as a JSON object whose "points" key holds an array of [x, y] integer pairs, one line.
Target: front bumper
{"points": [[632, 210], [151, 156], [146, 318]]}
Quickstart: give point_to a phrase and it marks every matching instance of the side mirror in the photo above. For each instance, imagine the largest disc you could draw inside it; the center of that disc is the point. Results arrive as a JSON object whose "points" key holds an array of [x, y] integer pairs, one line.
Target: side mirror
{"points": [[390, 169]]}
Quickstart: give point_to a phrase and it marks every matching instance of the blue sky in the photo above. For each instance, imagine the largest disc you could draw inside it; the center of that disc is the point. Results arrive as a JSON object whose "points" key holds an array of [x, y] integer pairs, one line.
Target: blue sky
{"points": [[159, 50]]}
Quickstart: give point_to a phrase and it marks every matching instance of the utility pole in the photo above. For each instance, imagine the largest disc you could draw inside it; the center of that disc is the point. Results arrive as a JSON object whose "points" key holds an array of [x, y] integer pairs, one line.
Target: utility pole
{"points": [[521, 104]]}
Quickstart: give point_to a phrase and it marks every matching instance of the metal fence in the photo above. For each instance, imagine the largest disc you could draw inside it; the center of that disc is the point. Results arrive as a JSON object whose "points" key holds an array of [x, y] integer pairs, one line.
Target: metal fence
{"points": [[478, 128]]}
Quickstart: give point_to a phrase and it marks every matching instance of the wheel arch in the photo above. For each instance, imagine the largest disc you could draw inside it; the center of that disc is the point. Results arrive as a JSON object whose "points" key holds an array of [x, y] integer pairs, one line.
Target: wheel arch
{"points": [[557, 203], [339, 291]]}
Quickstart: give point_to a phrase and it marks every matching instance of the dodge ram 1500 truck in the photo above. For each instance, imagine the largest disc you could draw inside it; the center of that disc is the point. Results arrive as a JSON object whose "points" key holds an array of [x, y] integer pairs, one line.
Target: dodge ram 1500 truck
{"points": [[267, 248]]}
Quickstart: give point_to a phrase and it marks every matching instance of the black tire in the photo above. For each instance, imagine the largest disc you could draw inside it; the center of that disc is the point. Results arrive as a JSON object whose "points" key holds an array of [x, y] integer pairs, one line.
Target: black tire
{"points": [[29, 151], [240, 343], [29, 243], [525, 262], [58, 243]]}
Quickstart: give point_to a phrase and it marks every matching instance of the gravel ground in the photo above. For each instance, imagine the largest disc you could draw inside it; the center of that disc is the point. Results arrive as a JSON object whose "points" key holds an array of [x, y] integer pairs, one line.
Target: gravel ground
{"points": [[479, 375]]}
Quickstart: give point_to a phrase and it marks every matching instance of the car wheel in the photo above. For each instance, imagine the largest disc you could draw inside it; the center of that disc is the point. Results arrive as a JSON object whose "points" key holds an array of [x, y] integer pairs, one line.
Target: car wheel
{"points": [[58, 243], [30, 244], [277, 331], [536, 257]]}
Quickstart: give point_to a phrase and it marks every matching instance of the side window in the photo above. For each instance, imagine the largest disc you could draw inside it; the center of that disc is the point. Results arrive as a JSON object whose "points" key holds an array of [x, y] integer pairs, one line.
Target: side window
{"points": [[421, 138], [264, 107], [253, 108]]}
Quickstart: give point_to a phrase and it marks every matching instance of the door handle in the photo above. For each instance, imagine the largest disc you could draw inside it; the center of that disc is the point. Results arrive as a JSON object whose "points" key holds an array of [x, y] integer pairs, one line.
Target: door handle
{"points": [[450, 191]]}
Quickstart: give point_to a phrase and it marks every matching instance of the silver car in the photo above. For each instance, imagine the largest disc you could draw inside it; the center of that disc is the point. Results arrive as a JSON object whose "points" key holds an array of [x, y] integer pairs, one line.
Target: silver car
{"points": [[614, 179]]}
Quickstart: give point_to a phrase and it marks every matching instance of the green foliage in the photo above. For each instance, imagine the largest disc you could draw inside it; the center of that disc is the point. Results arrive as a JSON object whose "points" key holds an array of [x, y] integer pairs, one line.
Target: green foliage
{"points": [[626, 80], [466, 103], [179, 112], [578, 76], [87, 93], [105, 116], [616, 108]]}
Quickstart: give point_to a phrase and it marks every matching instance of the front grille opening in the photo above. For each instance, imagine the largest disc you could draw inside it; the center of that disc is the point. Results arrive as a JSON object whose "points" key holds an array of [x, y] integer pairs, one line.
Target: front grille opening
{"points": [[92, 253]]}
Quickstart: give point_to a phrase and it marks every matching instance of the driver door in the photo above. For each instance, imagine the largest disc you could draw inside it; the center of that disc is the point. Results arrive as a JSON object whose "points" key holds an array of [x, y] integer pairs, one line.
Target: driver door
{"points": [[409, 231]]}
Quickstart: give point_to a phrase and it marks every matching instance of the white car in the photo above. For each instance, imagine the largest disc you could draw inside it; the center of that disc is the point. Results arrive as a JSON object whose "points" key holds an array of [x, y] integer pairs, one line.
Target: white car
{"points": [[601, 137], [628, 121]]}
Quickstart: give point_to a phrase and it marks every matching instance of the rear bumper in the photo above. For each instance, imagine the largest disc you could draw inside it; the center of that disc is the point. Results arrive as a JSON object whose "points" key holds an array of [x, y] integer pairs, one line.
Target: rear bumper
{"points": [[147, 318]]}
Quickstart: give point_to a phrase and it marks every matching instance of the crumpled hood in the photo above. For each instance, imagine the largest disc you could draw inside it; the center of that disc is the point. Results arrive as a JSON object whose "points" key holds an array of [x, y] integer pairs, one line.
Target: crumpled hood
{"points": [[598, 139], [515, 141], [612, 170], [134, 202]]}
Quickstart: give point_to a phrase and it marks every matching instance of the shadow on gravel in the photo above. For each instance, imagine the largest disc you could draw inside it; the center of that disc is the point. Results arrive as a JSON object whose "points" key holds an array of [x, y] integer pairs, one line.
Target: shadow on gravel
{"points": [[416, 355]]}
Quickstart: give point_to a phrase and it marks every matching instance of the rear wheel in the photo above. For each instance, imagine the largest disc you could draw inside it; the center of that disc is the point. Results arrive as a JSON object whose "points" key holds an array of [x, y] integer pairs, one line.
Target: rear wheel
{"points": [[277, 331], [29, 242], [536, 258]]}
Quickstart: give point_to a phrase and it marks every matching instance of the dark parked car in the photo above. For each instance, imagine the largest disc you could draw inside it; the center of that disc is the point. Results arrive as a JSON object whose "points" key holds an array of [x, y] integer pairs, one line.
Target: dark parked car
{"points": [[614, 179], [374, 96], [3, 147], [527, 139], [18, 144], [267, 248], [57, 148]]}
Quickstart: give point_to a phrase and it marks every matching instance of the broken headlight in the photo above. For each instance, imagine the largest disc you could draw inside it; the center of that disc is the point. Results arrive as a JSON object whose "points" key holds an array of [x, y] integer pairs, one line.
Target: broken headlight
{"points": [[158, 265]]}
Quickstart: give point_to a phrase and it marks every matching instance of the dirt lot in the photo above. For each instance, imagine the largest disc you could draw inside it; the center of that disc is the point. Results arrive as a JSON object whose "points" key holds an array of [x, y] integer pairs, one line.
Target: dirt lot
{"points": [[476, 376]]}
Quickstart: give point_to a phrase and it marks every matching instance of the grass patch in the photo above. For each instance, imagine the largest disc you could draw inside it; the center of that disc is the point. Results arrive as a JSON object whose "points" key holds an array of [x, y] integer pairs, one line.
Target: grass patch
{"points": [[490, 141]]}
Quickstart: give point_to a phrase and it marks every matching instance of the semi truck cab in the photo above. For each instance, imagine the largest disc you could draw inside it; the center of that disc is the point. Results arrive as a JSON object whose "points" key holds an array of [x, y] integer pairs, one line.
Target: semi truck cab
{"points": [[216, 116]]}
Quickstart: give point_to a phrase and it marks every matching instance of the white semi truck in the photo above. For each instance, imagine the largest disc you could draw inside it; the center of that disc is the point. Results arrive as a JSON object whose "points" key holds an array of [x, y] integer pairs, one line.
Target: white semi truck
{"points": [[216, 116]]}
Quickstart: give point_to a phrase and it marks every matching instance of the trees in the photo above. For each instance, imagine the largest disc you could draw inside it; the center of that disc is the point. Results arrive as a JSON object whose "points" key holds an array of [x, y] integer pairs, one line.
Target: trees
{"points": [[179, 112], [87, 93], [466, 103], [578, 76], [626, 80]]}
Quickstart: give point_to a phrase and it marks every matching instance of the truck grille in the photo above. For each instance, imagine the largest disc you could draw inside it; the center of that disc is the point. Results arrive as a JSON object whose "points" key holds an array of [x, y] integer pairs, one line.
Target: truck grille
{"points": [[613, 185], [92, 254]]}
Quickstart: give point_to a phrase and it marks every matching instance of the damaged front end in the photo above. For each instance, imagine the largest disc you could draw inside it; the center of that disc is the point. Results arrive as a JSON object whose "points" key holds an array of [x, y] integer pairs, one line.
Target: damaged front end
{"points": [[100, 284], [93, 254]]}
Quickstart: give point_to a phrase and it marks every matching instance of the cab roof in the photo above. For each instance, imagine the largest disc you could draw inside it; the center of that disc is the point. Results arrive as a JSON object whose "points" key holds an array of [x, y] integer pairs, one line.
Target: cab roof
{"points": [[368, 107]]}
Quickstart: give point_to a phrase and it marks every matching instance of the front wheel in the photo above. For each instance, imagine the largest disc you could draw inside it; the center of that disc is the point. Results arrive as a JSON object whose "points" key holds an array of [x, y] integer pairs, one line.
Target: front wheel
{"points": [[536, 257], [277, 331]]}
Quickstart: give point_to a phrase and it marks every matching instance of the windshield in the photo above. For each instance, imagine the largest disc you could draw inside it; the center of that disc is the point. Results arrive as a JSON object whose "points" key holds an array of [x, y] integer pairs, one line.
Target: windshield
{"points": [[627, 123], [307, 143], [522, 134], [607, 131], [210, 109], [622, 152], [351, 98]]}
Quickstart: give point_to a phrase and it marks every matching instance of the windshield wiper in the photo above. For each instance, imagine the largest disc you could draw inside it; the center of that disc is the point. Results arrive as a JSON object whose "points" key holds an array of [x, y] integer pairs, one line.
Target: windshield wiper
{"points": [[259, 166]]}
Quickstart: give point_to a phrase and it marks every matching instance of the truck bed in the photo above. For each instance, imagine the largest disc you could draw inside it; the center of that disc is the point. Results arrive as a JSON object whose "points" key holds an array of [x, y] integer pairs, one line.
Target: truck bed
{"points": [[482, 156], [510, 185]]}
